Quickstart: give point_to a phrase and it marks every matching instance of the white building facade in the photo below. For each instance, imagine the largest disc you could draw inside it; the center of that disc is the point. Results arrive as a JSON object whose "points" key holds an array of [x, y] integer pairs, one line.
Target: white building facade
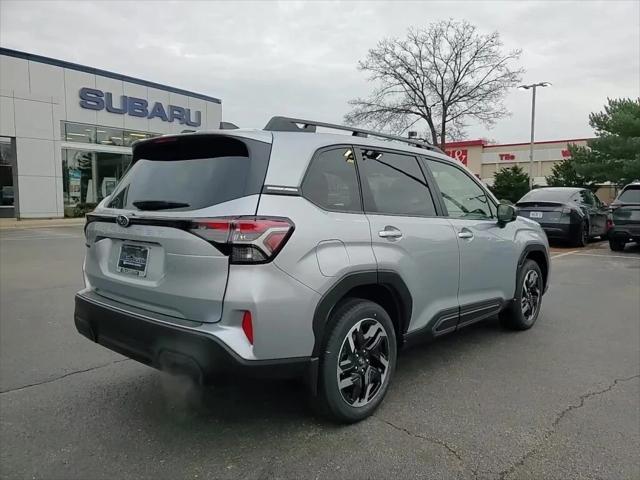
{"points": [[66, 131]]}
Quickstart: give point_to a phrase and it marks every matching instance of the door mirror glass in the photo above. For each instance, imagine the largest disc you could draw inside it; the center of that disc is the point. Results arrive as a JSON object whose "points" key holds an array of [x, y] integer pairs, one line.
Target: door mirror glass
{"points": [[506, 213]]}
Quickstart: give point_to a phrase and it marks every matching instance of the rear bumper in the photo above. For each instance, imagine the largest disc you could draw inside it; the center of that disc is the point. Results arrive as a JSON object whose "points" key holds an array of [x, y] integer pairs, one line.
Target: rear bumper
{"points": [[560, 230], [174, 348], [627, 233]]}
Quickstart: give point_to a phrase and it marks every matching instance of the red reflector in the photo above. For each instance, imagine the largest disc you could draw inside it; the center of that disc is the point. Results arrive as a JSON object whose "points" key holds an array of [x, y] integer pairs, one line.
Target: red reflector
{"points": [[247, 326]]}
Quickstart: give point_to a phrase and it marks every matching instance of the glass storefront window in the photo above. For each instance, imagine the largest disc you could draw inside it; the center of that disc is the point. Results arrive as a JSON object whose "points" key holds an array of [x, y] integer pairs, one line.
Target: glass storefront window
{"points": [[7, 161], [109, 136], [130, 137], [88, 177], [76, 132]]}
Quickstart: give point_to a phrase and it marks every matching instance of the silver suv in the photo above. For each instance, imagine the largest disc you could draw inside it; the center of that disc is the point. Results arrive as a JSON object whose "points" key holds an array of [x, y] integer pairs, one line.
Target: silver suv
{"points": [[289, 252]]}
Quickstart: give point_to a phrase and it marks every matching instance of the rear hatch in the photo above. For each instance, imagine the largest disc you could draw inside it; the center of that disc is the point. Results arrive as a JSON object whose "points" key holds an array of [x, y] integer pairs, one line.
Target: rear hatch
{"points": [[544, 212], [144, 246], [626, 208]]}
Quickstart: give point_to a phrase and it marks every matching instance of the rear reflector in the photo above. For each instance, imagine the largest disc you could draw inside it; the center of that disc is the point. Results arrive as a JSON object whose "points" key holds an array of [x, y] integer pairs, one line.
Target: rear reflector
{"points": [[247, 326], [245, 239]]}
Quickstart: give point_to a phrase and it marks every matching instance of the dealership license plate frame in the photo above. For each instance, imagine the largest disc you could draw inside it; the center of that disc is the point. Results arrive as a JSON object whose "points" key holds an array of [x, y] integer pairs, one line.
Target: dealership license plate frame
{"points": [[135, 261], [535, 214]]}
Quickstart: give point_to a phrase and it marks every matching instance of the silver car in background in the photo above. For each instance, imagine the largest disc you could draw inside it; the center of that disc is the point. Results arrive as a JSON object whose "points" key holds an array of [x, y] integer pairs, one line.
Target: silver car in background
{"points": [[289, 252]]}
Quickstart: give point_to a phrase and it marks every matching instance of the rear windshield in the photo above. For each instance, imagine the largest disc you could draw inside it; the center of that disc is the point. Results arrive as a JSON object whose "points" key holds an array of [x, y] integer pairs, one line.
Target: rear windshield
{"points": [[630, 195], [544, 195], [191, 172]]}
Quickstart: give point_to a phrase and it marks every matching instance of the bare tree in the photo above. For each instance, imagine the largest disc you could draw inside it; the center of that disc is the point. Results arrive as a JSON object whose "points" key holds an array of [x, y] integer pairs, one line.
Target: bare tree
{"points": [[440, 75]]}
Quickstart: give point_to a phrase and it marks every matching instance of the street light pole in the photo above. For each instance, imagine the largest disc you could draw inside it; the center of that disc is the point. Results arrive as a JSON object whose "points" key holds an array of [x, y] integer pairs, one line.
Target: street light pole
{"points": [[533, 126], [533, 86]]}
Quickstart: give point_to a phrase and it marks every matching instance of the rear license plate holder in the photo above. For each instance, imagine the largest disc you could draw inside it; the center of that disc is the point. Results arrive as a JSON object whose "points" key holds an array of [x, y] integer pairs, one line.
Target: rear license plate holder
{"points": [[133, 260]]}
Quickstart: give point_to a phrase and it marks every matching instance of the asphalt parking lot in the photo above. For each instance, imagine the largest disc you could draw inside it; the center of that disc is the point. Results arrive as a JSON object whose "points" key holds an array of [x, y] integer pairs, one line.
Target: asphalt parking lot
{"points": [[559, 401]]}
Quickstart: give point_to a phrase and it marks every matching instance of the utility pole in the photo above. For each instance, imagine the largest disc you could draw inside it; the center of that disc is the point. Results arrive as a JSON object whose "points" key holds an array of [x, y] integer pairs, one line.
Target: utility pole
{"points": [[532, 86]]}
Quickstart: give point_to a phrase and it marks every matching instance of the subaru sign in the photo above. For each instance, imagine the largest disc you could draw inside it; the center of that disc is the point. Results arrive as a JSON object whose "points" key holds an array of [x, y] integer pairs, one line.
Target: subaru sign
{"points": [[94, 99]]}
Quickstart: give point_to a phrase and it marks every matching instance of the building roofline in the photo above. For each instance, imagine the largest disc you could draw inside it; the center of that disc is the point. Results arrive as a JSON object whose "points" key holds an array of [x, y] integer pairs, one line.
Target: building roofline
{"points": [[568, 140], [466, 143], [483, 143], [104, 73]]}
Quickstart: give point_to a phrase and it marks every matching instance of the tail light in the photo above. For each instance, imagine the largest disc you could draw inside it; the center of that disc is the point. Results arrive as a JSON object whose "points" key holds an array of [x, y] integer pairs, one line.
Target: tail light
{"points": [[610, 224], [245, 239], [566, 211]]}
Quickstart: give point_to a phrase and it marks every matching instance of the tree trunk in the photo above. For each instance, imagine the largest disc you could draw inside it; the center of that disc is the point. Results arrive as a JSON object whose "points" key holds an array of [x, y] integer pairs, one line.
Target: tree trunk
{"points": [[443, 128]]}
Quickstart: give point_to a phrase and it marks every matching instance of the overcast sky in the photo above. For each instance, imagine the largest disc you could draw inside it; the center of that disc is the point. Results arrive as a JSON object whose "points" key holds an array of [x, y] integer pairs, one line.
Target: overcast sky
{"points": [[299, 58]]}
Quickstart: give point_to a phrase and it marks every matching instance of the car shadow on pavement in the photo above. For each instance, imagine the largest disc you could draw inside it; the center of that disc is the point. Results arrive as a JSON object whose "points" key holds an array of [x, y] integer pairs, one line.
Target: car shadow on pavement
{"points": [[176, 401]]}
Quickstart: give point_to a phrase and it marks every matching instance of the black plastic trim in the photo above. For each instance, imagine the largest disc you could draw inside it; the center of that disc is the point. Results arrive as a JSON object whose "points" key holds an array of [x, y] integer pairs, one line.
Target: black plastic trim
{"points": [[443, 322], [164, 346], [535, 247], [388, 279], [478, 311]]}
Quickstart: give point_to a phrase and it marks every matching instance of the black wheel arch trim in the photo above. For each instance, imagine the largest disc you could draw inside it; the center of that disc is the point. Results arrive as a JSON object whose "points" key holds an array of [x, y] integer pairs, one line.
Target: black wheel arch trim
{"points": [[536, 247], [388, 279]]}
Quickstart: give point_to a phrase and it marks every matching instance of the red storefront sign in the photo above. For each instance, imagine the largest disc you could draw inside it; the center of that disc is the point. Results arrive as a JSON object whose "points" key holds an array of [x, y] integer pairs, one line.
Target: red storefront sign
{"points": [[459, 154], [507, 156]]}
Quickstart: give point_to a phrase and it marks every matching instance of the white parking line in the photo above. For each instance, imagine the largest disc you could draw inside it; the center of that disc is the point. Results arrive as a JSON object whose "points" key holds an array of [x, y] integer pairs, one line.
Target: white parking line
{"points": [[39, 237], [563, 254], [607, 256]]}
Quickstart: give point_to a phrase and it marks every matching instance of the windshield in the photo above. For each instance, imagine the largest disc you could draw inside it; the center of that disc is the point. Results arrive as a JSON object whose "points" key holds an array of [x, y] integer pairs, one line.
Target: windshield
{"points": [[630, 195], [191, 173], [547, 195]]}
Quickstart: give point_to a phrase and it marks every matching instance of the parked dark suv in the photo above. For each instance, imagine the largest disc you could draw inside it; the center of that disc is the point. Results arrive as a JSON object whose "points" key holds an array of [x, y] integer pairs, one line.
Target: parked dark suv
{"points": [[626, 217]]}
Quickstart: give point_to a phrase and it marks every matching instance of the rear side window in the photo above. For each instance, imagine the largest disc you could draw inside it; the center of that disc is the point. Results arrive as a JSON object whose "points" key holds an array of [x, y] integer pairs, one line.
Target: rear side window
{"points": [[630, 195], [394, 184], [331, 181], [191, 172]]}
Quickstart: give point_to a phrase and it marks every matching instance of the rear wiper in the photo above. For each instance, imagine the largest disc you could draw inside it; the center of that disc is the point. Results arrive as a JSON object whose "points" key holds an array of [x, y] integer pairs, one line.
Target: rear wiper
{"points": [[158, 204]]}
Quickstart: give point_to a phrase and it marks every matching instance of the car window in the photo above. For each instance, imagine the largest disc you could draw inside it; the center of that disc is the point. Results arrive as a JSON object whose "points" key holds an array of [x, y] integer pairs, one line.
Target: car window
{"points": [[586, 198], [191, 172], [630, 195], [462, 196], [332, 183], [597, 202], [394, 184]]}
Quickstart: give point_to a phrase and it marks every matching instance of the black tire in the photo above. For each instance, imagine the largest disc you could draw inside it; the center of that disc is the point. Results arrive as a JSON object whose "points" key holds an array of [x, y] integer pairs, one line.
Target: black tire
{"points": [[330, 401], [616, 245], [515, 317], [581, 238]]}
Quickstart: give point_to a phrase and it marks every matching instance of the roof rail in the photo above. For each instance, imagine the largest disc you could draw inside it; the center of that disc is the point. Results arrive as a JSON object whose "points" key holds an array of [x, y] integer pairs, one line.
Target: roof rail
{"points": [[286, 124]]}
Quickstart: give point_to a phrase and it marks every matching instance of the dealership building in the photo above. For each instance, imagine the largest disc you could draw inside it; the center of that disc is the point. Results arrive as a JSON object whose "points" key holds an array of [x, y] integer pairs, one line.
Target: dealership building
{"points": [[66, 130]]}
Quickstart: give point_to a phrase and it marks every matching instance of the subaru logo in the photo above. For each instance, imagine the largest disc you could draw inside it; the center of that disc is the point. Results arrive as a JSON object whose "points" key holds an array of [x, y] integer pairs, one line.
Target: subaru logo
{"points": [[122, 220]]}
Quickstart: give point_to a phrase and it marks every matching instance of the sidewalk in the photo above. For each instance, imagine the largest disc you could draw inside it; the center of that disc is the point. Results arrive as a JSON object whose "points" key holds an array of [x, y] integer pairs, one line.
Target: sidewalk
{"points": [[12, 223]]}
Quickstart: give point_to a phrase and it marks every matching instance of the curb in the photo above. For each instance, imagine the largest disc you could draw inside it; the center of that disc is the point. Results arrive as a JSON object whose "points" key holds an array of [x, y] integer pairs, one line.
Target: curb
{"points": [[28, 224]]}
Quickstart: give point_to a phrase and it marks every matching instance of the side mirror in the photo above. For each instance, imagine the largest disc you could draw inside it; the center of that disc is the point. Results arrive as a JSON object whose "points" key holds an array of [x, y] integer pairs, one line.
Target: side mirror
{"points": [[506, 213]]}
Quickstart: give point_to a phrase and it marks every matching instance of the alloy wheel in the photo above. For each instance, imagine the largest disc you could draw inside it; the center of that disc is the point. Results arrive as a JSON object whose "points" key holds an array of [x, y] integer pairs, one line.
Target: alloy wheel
{"points": [[531, 294], [363, 362]]}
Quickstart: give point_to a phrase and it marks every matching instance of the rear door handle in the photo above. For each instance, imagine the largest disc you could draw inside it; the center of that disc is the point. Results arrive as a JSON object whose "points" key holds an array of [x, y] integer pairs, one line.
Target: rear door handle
{"points": [[390, 232], [465, 234]]}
